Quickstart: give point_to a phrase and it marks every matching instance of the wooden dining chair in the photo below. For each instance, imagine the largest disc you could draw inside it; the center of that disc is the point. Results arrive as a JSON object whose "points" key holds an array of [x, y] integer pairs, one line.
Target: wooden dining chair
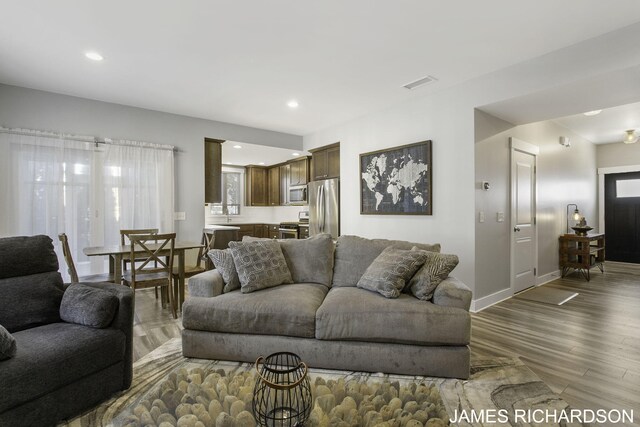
{"points": [[199, 267], [154, 264], [71, 267], [125, 239]]}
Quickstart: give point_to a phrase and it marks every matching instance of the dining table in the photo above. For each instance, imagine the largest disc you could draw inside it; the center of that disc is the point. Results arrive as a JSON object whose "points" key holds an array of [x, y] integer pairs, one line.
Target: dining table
{"points": [[117, 253]]}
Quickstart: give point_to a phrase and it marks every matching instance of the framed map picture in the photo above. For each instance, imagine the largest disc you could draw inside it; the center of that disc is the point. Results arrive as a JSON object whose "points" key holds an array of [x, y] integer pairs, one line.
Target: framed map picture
{"points": [[396, 181]]}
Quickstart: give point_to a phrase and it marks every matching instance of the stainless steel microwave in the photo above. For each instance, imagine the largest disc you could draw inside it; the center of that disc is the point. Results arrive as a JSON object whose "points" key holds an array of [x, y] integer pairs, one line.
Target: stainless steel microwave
{"points": [[298, 195]]}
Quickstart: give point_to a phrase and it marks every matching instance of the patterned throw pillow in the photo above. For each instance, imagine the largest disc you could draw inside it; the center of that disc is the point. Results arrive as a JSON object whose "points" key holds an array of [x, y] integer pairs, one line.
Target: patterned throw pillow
{"points": [[435, 269], [390, 271], [223, 262], [7, 344], [260, 265]]}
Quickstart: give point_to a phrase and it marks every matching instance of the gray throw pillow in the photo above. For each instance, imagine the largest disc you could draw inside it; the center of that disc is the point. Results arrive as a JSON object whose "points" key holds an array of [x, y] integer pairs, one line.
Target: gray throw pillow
{"points": [[259, 265], [390, 271], [7, 344], [309, 260], [223, 262], [88, 306], [436, 268]]}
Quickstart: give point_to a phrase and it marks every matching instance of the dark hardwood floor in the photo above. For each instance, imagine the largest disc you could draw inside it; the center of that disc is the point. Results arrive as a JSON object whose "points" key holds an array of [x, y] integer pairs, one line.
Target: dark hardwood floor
{"points": [[587, 350]]}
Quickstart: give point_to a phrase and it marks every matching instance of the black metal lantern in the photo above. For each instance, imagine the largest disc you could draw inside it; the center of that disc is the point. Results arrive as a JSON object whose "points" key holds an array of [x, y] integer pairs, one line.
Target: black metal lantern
{"points": [[282, 394]]}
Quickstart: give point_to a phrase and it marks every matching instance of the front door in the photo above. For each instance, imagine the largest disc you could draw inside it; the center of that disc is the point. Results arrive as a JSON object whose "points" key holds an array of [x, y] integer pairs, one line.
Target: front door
{"points": [[523, 213], [622, 216]]}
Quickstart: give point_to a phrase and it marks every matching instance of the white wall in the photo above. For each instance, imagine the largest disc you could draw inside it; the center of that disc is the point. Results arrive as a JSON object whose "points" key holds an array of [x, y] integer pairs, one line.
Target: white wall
{"points": [[564, 175], [618, 154], [33, 109]]}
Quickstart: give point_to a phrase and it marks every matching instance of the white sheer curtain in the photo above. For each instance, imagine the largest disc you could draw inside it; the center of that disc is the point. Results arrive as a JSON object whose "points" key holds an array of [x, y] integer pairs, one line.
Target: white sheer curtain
{"points": [[54, 183]]}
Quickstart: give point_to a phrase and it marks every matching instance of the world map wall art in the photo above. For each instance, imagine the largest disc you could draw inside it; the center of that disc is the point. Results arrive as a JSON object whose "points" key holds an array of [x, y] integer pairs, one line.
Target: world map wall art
{"points": [[396, 181]]}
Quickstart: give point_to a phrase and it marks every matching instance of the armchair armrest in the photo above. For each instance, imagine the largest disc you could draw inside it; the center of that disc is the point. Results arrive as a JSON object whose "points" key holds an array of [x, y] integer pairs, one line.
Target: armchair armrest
{"points": [[206, 284], [451, 292], [123, 321]]}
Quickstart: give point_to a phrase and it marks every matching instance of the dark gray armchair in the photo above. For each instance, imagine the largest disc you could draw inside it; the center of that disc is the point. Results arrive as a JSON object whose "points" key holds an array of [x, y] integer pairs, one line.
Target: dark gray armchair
{"points": [[60, 368]]}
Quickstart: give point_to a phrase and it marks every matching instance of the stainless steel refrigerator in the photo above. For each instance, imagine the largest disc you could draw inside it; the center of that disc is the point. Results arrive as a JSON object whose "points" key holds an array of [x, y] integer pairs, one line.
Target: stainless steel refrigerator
{"points": [[324, 207]]}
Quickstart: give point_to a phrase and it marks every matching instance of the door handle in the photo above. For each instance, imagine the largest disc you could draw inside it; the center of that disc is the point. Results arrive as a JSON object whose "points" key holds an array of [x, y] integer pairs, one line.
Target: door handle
{"points": [[516, 229]]}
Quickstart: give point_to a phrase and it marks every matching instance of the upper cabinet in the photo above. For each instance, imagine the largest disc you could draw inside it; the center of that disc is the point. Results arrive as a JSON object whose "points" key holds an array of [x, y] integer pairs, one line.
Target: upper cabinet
{"points": [[213, 170], [285, 171], [273, 187], [299, 172], [325, 162], [256, 186]]}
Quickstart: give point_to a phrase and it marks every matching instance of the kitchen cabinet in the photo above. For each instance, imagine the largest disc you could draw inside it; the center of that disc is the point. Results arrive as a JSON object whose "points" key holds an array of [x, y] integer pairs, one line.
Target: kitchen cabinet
{"points": [[273, 188], [273, 231], [325, 162], [304, 232], [299, 172], [285, 170], [246, 230], [212, 170], [256, 191]]}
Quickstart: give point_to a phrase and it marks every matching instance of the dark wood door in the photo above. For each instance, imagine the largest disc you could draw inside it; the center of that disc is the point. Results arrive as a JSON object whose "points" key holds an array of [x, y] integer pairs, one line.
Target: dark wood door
{"points": [[274, 186], [285, 171], [256, 186], [622, 216]]}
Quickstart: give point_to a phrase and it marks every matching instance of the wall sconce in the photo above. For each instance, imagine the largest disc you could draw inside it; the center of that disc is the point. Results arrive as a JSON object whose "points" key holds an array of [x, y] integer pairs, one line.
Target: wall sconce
{"points": [[565, 141], [630, 136], [576, 215]]}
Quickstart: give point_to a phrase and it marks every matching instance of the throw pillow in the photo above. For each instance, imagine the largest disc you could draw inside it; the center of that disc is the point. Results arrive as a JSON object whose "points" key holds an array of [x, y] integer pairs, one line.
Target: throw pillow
{"points": [[436, 268], [7, 344], [223, 262], [390, 271], [260, 265], [88, 306]]}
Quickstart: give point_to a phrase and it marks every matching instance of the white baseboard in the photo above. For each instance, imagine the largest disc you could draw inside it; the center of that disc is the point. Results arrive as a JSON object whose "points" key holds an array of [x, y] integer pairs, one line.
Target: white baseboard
{"points": [[549, 277], [484, 302]]}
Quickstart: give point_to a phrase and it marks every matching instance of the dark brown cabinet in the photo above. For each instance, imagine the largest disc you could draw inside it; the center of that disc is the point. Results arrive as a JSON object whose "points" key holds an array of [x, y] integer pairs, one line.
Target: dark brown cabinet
{"points": [[273, 190], [246, 230], [212, 170], [285, 170], [299, 172], [325, 162], [273, 231], [256, 191]]}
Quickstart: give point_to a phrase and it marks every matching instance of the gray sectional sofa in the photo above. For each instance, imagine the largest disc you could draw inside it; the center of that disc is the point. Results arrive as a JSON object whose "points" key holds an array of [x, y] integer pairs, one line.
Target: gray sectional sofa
{"points": [[50, 368], [334, 325]]}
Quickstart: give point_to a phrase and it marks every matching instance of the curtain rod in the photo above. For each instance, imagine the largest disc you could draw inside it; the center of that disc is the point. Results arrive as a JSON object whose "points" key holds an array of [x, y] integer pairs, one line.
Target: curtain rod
{"points": [[85, 138]]}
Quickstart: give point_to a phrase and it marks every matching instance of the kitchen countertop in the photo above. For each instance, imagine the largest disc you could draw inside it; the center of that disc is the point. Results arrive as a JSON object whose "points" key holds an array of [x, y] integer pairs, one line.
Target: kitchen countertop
{"points": [[215, 227]]}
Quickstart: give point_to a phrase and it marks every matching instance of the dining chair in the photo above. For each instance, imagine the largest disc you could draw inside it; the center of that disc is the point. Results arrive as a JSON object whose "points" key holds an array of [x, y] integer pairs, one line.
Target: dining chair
{"points": [[125, 239], [154, 264], [192, 270], [71, 267]]}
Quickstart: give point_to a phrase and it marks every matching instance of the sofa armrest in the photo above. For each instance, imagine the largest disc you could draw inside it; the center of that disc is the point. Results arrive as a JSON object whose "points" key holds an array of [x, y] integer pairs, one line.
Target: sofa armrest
{"points": [[206, 284], [123, 321], [451, 292]]}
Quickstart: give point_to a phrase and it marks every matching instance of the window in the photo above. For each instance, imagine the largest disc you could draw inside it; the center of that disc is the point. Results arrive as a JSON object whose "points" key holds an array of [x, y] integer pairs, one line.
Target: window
{"points": [[231, 195], [628, 188]]}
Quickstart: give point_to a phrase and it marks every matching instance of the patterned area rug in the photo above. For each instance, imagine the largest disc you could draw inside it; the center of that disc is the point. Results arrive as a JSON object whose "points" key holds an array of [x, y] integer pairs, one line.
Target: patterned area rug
{"points": [[502, 385]]}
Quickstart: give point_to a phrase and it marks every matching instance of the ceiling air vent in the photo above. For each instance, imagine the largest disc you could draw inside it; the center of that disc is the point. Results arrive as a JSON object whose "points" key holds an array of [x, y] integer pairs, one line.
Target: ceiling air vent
{"points": [[420, 82]]}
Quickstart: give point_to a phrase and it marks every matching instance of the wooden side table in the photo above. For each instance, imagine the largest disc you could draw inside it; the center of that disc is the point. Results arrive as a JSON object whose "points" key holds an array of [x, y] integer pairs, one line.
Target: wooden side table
{"points": [[581, 253]]}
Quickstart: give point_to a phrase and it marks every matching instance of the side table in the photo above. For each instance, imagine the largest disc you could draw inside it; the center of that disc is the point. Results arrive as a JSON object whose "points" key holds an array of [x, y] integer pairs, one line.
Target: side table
{"points": [[581, 253]]}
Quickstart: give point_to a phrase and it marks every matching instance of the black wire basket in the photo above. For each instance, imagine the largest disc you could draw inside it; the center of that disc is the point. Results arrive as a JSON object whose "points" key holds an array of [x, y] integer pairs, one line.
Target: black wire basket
{"points": [[282, 394]]}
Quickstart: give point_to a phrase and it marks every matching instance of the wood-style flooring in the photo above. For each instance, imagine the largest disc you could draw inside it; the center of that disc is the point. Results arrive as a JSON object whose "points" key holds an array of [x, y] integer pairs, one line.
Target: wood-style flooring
{"points": [[587, 350]]}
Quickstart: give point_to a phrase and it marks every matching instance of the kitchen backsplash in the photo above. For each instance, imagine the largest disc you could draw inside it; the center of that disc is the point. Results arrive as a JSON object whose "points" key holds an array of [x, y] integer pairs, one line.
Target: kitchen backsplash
{"points": [[259, 215]]}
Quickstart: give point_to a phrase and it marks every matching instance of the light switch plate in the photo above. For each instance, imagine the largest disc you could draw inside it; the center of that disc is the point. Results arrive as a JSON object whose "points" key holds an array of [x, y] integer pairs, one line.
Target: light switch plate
{"points": [[500, 216], [179, 216], [481, 216]]}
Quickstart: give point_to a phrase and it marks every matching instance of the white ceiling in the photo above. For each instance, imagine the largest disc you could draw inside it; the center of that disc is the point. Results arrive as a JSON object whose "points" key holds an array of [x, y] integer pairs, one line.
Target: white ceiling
{"points": [[240, 62], [253, 154], [607, 127]]}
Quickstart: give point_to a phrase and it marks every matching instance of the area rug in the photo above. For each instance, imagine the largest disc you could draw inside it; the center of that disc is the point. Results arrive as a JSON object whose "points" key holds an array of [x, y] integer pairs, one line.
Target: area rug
{"points": [[547, 295], [170, 390]]}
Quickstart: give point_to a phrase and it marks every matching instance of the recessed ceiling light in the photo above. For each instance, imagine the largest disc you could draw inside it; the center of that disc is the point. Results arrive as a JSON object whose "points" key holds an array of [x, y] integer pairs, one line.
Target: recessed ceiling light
{"points": [[237, 146], [592, 113], [295, 154], [261, 163], [417, 83], [292, 104], [94, 56]]}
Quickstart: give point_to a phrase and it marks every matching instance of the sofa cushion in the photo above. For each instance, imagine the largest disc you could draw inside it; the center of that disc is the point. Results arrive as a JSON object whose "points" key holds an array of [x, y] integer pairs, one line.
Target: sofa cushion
{"points": [[309, 260], [436, 268], [354, 314], [88, 306], [223, 262], [390, 271], [259, 265], [26, 255], [282, 310], [355, 254], [29, 301], [51, 356], [7, 344]]}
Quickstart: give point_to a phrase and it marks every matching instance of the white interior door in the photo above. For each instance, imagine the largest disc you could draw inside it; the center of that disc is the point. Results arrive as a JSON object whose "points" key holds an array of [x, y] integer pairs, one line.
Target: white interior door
{"points": [[523, 215]]}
